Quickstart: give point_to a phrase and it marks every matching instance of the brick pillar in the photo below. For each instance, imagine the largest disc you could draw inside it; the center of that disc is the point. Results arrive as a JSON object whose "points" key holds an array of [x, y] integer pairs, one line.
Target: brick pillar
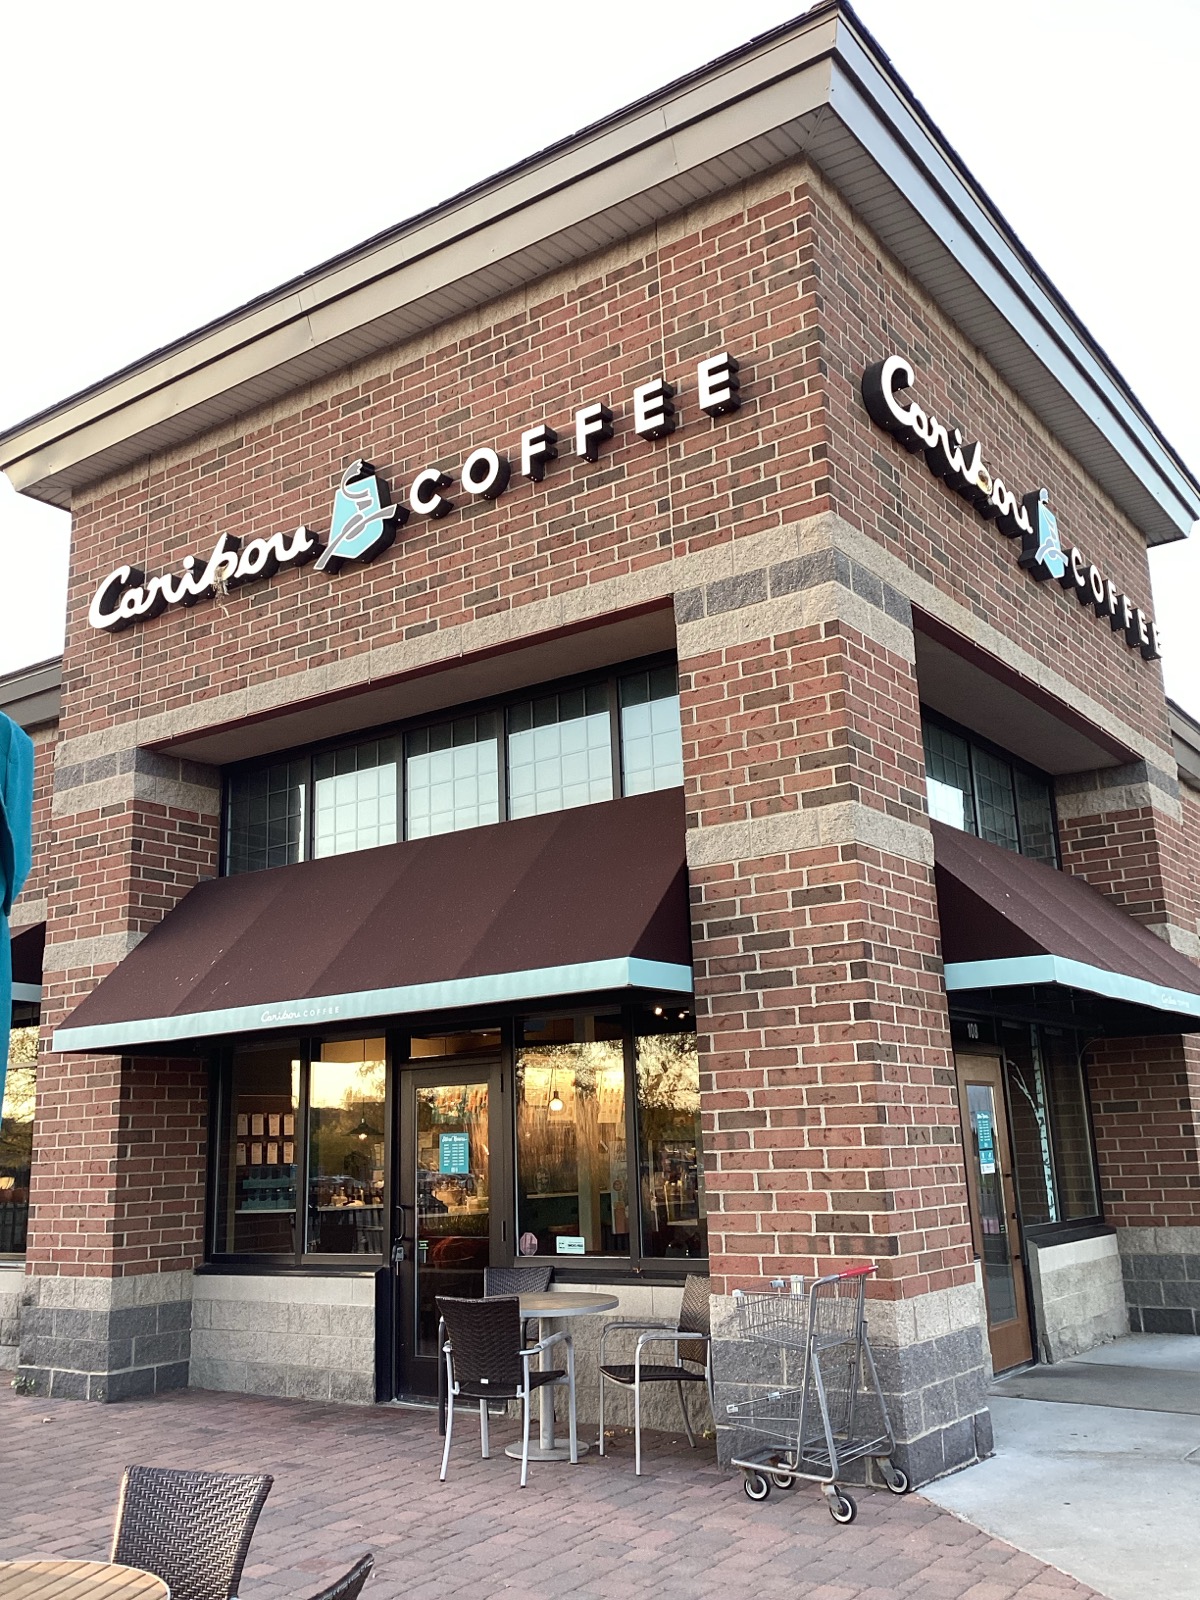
{"points": [[1130, 832], [828, 1089], [1145, 1097], [117, 1211]]}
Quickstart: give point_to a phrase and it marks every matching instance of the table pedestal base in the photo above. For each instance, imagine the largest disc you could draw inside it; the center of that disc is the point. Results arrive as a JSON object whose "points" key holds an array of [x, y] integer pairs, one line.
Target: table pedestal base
{"points": [[542, 1452]]}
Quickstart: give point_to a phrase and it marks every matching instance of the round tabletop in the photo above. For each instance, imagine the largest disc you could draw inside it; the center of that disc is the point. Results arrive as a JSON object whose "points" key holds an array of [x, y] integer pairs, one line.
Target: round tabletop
{"points": [[566, 1303], [78, 1580]]}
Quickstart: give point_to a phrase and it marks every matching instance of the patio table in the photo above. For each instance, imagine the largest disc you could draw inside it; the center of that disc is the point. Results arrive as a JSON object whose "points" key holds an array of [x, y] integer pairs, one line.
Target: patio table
{"points": [[49, 1579], [548, 1307]]}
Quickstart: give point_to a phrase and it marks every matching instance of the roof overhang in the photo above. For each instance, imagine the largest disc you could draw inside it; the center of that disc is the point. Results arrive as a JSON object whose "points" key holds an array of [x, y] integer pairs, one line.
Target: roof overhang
{"points": [[32, 697], [818, 88]]}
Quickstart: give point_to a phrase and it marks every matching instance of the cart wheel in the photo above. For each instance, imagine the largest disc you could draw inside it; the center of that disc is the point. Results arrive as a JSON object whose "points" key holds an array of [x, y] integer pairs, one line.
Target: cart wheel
{"points": [[756, 1486], [843, 1509], [784, 1480], [896, 1480]]}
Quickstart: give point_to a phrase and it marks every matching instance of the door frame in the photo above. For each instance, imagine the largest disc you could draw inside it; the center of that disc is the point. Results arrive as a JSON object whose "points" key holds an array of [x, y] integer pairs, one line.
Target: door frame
{"points": [[401, 1373], [1020, 1350]]}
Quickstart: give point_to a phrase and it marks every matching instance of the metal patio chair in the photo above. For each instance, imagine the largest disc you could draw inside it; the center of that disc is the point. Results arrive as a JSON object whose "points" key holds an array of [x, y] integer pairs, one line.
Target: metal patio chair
{"points": [[349, 1585], [693, 1349], [191, 1529], [486, 1360]]}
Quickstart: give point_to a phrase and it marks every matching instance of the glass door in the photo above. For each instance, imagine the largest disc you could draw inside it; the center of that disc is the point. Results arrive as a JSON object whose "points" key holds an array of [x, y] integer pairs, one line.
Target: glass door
{"points": [[447, 1228], [993, 1204]]}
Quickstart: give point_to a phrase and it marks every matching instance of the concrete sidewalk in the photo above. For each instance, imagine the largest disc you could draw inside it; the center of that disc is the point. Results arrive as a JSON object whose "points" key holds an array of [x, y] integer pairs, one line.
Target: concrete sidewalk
{"points": [[351, 1478], [1097, 1468]]}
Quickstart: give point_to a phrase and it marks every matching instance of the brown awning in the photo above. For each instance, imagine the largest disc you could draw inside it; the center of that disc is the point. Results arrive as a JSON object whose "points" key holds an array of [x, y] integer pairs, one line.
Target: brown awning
{"points": [[28, 946], [581, 901], [1011, 922]]}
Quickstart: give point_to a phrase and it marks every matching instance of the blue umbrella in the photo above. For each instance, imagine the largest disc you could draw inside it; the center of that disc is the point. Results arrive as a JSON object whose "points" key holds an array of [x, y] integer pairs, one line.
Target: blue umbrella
{"points": [[16, 855]]}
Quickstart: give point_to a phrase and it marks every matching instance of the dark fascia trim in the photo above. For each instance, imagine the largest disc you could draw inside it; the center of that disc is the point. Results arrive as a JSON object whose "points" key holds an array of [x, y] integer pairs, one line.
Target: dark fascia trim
{"points": [[1185, 738], [32, 696], [1060, 710], [1022, 324]]}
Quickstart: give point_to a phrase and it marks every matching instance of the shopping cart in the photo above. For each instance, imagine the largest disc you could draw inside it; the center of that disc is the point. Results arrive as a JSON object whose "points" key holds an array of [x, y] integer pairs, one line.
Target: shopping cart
{"points": [[835, 1413]]}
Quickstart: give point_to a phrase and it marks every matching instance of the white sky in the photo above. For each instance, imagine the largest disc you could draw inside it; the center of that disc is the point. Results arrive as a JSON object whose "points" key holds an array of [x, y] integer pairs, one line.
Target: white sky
{"points": [[167, 162]]}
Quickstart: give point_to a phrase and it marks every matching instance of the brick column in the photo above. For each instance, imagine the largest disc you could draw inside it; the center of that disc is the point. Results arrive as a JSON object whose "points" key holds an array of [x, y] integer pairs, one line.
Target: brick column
{"points": [[828, 1089], [116, 1221], [1130, 832]]}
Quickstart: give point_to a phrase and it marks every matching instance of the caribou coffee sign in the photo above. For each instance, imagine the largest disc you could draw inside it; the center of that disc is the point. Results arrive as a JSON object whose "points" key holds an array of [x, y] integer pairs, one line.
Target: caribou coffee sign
{"points": [[364, 524], [1028, 517]]}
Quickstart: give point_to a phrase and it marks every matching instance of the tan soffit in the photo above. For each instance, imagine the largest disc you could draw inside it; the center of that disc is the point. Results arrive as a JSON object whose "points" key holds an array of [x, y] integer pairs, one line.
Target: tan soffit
{"points": [[819, 87]]}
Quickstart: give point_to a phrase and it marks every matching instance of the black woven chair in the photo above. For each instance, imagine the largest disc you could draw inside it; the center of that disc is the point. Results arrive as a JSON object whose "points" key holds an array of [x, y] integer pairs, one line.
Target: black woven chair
{"points": [[693, 1349], [486, 1360], [526, 1277], [349, 1586], [191, 1529]]}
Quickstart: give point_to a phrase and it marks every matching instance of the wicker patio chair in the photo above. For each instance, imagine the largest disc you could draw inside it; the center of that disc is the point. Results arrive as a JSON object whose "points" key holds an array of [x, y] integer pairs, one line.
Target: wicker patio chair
{"points": [[192, 1529], [526, 1277], [693, 1349], [486, 1360], [349, 1586]]}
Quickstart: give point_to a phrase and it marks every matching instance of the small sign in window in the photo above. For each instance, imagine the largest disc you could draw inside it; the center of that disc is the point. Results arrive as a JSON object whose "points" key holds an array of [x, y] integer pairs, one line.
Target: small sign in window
{"points": [[454, 1154], [570, 1244]]}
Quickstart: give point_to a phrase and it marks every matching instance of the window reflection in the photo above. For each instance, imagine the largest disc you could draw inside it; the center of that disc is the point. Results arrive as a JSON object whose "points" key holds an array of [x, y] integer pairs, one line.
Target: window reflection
{"points": [[453, 776], [559, 752], [354, 797], [651, 740], [16, 1139], [572, 1172], [256, 1198], [345, 1147], [674, 1216]]}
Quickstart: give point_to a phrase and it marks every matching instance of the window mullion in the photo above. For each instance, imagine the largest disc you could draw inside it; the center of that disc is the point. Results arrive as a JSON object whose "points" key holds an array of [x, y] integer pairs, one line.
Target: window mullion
{"points": [[614, 717], [633, 1161]]}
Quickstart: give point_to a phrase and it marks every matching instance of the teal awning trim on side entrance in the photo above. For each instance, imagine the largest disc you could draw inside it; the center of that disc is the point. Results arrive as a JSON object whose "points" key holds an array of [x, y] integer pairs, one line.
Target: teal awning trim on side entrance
{"points": [[584, 977], [1012, 971]]}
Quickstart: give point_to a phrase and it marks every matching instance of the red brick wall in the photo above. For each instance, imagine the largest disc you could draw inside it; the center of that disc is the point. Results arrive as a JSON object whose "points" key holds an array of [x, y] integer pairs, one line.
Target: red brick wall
{"points": [[1145, 1097], [829, 1108]]}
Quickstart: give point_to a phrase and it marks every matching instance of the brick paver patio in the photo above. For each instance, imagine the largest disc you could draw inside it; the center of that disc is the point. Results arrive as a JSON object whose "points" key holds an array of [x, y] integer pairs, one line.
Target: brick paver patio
{"points": [[349, 1479]]}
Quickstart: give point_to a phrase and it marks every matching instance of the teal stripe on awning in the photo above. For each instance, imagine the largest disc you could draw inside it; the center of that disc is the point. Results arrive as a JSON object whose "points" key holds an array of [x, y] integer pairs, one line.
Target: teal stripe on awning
{"points": [[1012, 971], [540, 983]]}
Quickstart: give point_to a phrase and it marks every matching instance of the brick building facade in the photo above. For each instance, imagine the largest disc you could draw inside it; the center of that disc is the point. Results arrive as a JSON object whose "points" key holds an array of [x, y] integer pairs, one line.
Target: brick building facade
{"points": [[827, 606]]}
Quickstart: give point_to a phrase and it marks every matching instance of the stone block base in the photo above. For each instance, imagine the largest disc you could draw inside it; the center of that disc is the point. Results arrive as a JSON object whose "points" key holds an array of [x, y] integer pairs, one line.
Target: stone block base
{"points": [[304, 1337], [1078, 1295], [1161, 1269], [105, 1338], [932, 1358]]}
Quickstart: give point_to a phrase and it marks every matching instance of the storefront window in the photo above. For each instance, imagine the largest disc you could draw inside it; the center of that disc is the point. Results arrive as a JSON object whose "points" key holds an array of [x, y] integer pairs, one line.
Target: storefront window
{"points": [[982, 791], [542, 753], [651, 739], [1074, 1159], [354, 797], [453, 776], [572, 1170], [16, 1139], [559, 752], [256, 1197], [264, 817], [670, 1165], [1054, 1167], [346, 1102]]}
